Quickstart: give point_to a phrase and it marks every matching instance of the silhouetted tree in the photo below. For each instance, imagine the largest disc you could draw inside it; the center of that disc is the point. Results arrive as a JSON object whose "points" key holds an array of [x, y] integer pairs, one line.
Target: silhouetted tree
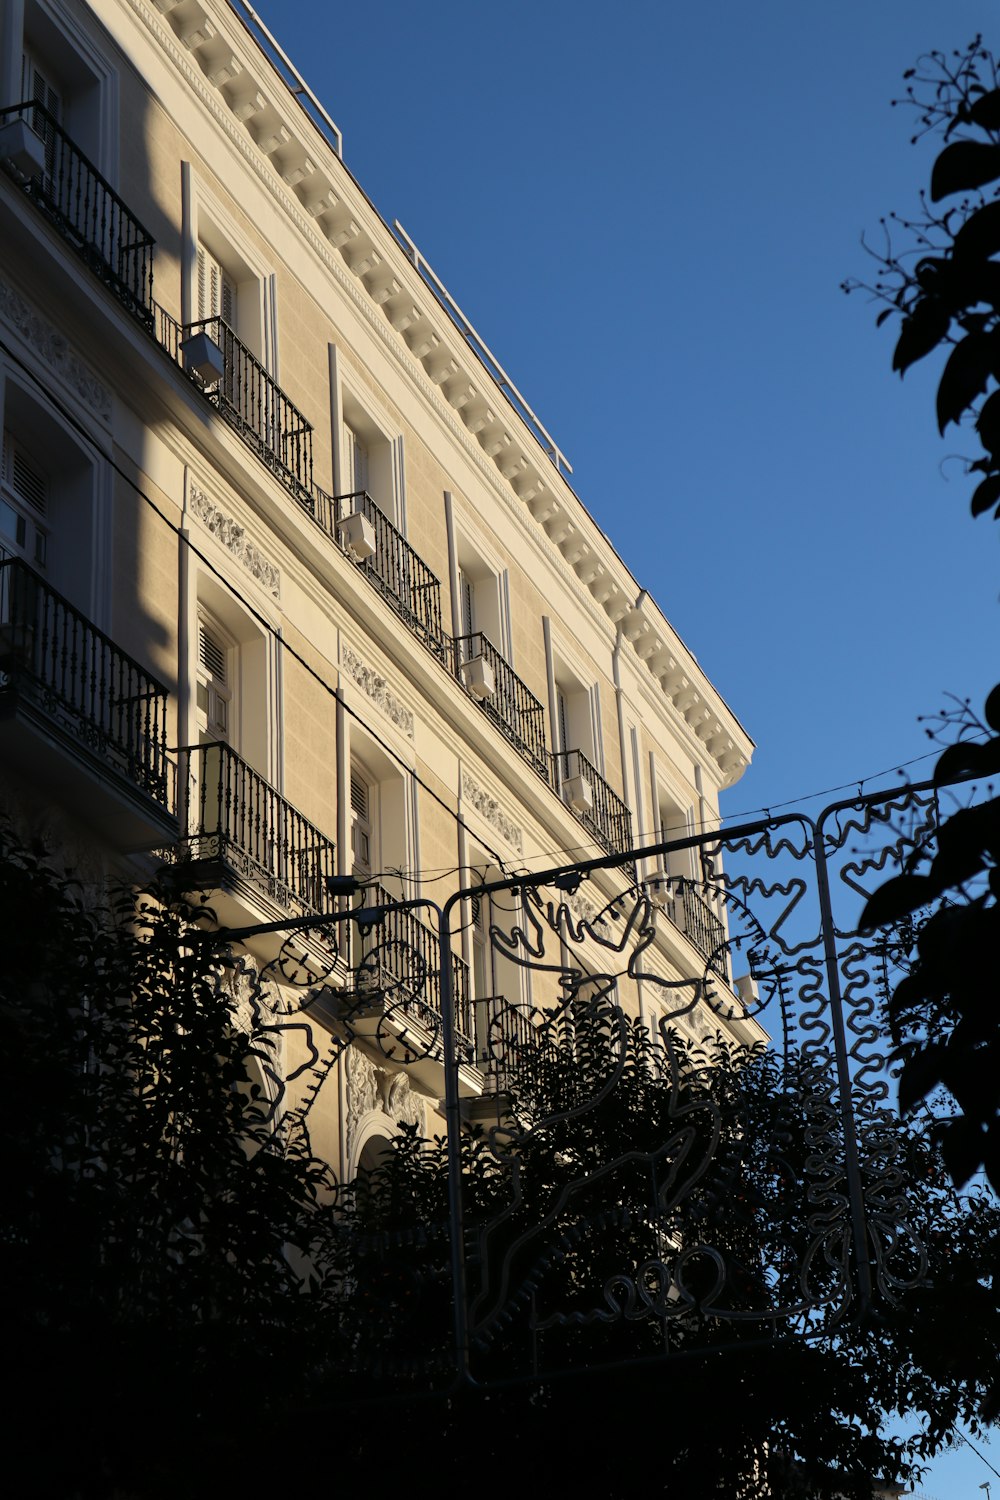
{"points": [[191, 1305], [945, 285]]}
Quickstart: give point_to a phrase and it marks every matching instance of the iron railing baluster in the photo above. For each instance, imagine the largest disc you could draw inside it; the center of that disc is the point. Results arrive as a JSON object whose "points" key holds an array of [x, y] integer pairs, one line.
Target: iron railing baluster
{"points": [[89, 214], [511, 706]]}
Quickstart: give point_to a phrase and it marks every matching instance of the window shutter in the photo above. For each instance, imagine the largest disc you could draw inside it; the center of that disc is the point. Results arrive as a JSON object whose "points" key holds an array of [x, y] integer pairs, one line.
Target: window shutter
{"points": [[216, 290], [466, 602], [563, 716], [40, 89], [21, 476], [357, 461], [212, 654], [359, 796]]}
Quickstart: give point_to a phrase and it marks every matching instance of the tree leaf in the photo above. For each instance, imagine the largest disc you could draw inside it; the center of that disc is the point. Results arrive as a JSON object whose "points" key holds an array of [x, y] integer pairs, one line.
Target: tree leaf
{"points": [[979, 236], [922, 331], [965, 376], [985, 494], [967, 759], [985, 111], [988, 424], [962, 166], [897, 898], [991, 710], [962, 1143], [921, 1073]]}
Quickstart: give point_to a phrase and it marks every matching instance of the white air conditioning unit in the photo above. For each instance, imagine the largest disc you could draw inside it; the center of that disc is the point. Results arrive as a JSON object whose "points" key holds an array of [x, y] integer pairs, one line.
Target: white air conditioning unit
{"points": [[746, 988], [479, 678], [22, 150], [658, 887], [203, 358], [578, 794], [357, 534]]}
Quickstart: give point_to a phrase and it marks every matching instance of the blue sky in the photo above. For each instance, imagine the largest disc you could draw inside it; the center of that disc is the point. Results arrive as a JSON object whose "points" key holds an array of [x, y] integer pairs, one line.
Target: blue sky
{"points": [[647, 209]]}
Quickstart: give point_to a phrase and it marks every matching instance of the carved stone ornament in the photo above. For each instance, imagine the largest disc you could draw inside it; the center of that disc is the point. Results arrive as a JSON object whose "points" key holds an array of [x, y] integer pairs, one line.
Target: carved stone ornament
{"points": [[362, 1091], [487, 806], [234, 538], [55, 349], [584, 910], [377, 689], [372, 1088]]}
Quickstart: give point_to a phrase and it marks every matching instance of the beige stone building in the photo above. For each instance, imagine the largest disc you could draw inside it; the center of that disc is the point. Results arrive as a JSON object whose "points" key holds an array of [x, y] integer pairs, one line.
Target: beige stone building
{"points": [[295, 583]]}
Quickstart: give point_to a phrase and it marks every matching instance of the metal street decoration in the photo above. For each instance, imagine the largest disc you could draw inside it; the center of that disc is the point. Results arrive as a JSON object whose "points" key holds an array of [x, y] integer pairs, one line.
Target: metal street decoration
{"points": [[615, 1189]]}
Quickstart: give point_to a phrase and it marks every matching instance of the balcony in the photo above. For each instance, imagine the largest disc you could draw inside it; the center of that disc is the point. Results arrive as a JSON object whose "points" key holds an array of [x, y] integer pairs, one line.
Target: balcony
{"points": [[601, 811], [503, 697], [242, 841], [242, 391], [691, 914], [79, 716], [394, 999], [82, 205], [389, 563]]}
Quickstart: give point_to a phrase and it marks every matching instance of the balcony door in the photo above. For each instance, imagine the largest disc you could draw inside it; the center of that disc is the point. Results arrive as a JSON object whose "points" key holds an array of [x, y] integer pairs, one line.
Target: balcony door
{"points": [[24, 503], [37, 84]]}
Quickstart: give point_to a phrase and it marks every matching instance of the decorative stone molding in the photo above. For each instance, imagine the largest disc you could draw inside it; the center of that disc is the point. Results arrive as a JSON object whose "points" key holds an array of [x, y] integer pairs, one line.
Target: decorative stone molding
{"points": [[371, 1089], [488, 807], [377, 689], [585, 911], [234, 538], [362, 1091], [55, 349]]}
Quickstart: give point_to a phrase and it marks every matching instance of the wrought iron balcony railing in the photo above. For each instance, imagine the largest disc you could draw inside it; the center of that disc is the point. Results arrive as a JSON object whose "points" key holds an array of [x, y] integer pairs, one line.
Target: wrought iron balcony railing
{"points": [[503, 697], [232, 815], [514, 1046], [401, 955], [82, 682], [598, 807], [87, 212], [251, 402], [401, 576], [678, 896]]}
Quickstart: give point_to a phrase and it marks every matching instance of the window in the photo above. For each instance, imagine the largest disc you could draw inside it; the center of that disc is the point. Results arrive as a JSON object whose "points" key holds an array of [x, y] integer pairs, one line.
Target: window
{"points": [[575, 716], [63, 71], [371, 460], [54, 502], [216, 672], [24, 499], [223, 277], [480, 602], [216, 289], [355, 461], [232, 675], [361, 824], [37, 83]]}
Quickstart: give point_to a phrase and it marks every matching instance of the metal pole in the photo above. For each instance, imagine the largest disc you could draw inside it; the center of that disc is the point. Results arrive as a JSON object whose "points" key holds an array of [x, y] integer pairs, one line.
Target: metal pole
{"points": [[453, 1124], [852, 1165]]}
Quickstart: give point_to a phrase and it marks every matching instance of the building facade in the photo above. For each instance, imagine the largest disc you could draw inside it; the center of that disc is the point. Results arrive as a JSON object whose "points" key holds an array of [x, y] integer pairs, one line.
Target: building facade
{"points": [[294, 583]]}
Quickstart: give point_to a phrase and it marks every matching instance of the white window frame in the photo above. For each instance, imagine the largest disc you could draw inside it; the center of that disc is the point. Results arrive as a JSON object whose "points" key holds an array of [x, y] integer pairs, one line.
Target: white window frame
{"points": [[367, 822], [78, 500], [474, 563], [209, 228], [357, 418], [88, 81], [219, 689], [30, 515]]}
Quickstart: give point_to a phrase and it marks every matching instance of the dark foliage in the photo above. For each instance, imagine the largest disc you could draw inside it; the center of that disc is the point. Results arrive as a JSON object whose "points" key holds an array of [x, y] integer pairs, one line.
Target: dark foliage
{"points": [[190, 1306], [946, 288]]}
